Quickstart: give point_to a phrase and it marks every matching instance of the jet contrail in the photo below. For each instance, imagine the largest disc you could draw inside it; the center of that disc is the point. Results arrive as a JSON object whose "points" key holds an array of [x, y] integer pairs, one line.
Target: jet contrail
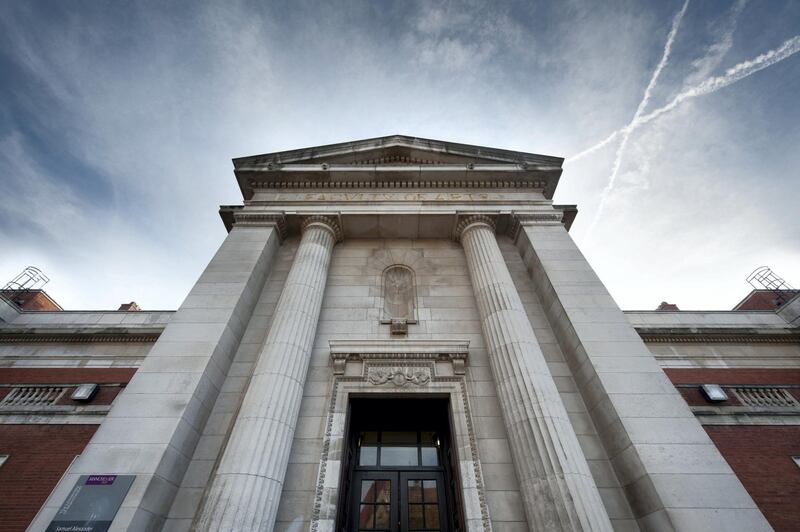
{"points": [[676, 23], [732, 75], [712, 84], [719, 49]]}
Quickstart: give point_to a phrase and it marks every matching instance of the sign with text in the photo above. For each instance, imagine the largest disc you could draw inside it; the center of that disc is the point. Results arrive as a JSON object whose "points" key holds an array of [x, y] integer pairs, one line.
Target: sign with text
{"points": [[92, 503]]}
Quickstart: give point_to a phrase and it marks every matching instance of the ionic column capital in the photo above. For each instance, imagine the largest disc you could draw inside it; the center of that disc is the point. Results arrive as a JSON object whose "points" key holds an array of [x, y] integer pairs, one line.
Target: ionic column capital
{"points": [[328, 223], [472, 221]]}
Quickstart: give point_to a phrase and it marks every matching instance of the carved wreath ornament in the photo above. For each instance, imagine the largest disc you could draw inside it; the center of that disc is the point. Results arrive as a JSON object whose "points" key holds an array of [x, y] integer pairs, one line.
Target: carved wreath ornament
{"points": [[399, 376]]}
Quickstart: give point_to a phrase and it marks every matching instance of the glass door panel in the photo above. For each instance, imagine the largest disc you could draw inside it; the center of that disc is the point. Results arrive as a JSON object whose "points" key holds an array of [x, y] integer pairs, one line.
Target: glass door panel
{"points": [[376, 507], [422, 502]]}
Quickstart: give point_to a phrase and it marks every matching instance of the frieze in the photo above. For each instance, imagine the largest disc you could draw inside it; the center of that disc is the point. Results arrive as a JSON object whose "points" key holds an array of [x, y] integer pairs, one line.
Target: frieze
{"points": [[703, 338], [493, 184], [399, 376], [79, 337], [355, 196]]}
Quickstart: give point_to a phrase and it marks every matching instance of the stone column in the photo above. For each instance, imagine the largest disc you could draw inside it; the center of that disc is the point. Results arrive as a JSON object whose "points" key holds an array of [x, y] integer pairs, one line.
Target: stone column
{"points": [[557, 486], [247, 485]]}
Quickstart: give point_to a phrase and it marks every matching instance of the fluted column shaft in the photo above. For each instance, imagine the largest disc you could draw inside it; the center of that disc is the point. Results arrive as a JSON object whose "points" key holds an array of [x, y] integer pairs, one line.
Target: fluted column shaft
{"points": [[558, 490], [248, 482]]}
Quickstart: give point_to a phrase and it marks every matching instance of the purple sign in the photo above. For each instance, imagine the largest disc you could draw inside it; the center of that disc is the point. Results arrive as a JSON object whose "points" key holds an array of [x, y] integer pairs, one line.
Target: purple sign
{"points": [[92, 504], [100, 480]]}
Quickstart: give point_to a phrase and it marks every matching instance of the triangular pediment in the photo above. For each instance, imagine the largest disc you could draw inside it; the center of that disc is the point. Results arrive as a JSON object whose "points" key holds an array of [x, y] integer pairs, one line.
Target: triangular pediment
{"points": [[397, 150]]}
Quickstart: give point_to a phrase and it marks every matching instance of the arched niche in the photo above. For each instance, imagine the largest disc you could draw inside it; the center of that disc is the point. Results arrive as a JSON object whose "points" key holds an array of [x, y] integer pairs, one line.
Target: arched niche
{"points": [[399, 295]]}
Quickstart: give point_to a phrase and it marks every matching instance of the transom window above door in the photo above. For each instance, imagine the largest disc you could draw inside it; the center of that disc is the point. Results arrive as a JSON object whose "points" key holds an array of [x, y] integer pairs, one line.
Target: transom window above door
{"points": [[398, 449]]}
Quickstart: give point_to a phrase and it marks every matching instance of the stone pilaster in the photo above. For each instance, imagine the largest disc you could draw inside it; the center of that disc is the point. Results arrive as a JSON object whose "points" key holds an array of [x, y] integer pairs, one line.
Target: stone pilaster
{"points": [[557, 486], [248, 482], [673, 474]]}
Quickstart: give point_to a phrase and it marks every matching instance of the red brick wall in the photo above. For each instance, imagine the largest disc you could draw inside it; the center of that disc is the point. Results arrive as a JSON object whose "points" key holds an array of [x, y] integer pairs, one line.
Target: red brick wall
{"points": [[38, 456], [761, 456], [65, 375], [103, 376], [733, 375]]}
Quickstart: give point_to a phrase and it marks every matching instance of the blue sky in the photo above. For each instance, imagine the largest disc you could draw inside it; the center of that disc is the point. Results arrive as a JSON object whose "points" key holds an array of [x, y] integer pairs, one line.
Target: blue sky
{"points": [[118, 121]]}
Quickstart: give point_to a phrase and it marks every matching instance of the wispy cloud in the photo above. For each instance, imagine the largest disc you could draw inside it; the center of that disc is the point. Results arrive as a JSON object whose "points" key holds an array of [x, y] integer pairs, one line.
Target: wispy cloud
{"points": [[676, 23], [117, 123], [710, 85]]}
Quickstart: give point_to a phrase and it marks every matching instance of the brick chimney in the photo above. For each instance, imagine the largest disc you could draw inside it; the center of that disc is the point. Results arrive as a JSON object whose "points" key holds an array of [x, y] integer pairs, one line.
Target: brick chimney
{"points": [[129, 307], [667, 307]]}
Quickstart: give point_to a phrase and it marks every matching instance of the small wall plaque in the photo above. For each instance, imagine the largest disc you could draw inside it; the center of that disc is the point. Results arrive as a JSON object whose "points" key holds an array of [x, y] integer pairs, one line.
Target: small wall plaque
{"points": [[92, 503]]}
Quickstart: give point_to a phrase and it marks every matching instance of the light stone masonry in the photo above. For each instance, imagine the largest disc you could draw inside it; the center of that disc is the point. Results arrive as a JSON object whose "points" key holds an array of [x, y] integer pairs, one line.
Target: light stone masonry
{"points": [[647, 430], [558, 490], [247, 486], [155, 424]]}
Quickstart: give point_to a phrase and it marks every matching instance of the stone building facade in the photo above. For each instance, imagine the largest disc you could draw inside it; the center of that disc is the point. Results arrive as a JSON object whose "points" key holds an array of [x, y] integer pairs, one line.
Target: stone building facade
{"points": [[400, 334]]}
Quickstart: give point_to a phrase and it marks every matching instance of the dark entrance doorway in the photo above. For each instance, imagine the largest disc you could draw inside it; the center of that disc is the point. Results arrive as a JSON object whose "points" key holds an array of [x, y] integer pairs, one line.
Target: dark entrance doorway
{"points": [[399, 468]]}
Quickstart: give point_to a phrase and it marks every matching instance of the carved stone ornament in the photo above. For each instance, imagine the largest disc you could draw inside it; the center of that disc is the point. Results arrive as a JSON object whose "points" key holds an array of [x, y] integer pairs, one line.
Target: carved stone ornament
{"points": [[399, 376], [467, 221], [398, 293], [328, 222]]}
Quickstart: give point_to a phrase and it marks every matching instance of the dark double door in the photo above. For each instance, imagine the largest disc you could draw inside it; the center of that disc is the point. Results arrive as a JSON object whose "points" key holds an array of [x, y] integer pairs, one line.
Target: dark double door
{"points": [[399, 501], [398, 468]]}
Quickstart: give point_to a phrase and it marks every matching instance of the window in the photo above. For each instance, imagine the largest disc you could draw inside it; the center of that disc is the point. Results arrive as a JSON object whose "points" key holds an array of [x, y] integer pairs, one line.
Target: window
{"points": [[398, 449]]}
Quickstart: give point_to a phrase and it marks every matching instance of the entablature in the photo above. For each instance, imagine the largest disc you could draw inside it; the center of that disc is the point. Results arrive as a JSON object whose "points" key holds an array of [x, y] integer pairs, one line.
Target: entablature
{"points": [[365, 219]]}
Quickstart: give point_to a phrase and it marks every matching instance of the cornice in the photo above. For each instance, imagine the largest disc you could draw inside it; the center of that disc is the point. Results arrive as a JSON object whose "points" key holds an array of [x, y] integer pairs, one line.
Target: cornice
{"points": [[716, 337], [377, 144], [258, 219], [416, 349], [522, 219]]}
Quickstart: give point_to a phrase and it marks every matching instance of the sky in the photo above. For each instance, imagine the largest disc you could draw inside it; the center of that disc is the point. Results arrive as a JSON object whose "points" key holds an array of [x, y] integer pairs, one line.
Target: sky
{"points": [[679, 121]]}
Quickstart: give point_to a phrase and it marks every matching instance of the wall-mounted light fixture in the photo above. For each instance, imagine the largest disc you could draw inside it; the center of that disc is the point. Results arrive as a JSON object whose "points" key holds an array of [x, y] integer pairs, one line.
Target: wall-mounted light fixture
{"points": [[714, 393], [84, 392]]}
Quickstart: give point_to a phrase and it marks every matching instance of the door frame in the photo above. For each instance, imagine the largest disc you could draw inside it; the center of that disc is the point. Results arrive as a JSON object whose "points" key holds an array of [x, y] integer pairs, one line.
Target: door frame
{"points": [[437, 368]]}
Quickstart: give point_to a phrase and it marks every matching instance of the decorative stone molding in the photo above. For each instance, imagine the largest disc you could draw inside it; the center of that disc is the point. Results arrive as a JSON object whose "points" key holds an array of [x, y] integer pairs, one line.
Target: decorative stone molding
{"points": [[327, 222], [521, 219], [33, 396], [700, 337], [765, 396], [399, 376], [398, 327], [535, 184], [469, 221], [261, 219], [79, 337], [453, 351]]}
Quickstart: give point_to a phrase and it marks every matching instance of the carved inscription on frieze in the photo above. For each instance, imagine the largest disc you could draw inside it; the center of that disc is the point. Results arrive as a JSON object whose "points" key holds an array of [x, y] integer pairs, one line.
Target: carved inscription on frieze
{"points": [[385, 196]]}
